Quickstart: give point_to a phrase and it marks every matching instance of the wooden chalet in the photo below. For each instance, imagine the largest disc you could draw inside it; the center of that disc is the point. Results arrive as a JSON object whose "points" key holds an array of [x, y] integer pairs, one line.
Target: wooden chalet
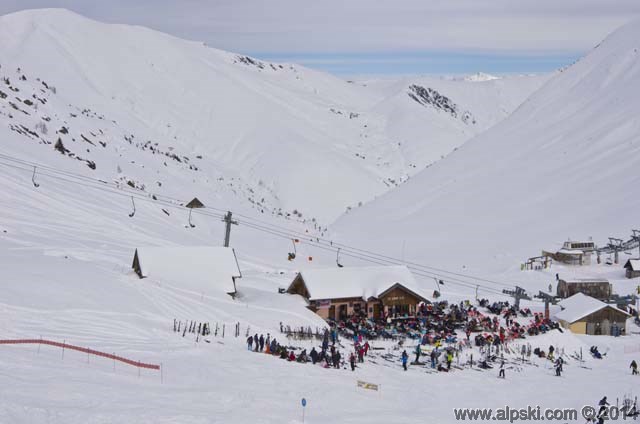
{"points": [[375, 292]]}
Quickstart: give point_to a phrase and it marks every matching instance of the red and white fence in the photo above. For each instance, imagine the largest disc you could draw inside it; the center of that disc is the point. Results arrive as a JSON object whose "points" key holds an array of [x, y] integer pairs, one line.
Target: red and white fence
{"points": [[86, 350]]}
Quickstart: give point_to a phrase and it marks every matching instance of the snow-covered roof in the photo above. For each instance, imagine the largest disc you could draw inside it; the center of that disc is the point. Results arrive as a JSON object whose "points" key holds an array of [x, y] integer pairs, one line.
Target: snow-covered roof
{"points": [[362, 282], [585, 281], [634, 264], [579, 306], [571, 252], [199, 268]]}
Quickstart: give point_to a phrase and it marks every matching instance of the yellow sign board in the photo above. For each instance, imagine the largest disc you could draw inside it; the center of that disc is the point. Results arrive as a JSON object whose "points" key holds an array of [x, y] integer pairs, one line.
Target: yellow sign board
{"points": [[368, 386]]}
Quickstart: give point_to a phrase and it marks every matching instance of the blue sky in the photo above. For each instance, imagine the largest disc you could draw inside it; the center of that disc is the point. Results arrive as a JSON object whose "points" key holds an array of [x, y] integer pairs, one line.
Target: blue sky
{"points": [[426, 62], [378, 37]]}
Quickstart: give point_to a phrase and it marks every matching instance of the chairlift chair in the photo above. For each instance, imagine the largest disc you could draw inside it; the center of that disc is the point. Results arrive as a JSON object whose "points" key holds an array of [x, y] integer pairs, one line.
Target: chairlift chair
{"points": [[134, 208], [33, 178], [191, 223], [292, 255]]}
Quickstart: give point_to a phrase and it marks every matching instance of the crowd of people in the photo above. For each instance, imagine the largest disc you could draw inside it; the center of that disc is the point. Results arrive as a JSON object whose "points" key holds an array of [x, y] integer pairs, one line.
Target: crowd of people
{"points": [[442, 329], [327, 356]]}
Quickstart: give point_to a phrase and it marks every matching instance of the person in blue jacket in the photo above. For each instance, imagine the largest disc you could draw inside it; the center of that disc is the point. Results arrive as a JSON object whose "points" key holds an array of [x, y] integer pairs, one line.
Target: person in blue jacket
{"points": [[405, 358]]}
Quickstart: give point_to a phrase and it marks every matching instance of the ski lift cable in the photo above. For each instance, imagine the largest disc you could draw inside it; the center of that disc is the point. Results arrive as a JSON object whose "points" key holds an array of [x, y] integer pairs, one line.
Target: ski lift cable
{"points": [[110, 189], [386, 262], [69, 177], [115, 190], [82, 177], [378, 258], [382, 262], [342, 245], [333, 243]]}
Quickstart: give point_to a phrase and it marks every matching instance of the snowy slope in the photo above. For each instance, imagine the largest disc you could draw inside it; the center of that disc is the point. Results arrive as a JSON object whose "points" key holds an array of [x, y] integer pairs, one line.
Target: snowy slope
{"points": [[67, 245], [564, 164], [273, 127], [452, 110]]}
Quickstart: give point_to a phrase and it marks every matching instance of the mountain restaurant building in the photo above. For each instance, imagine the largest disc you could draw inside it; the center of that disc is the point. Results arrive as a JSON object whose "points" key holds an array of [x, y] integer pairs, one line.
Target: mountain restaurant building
{"points": [[375, 292], [598, 288], [585, 315]]}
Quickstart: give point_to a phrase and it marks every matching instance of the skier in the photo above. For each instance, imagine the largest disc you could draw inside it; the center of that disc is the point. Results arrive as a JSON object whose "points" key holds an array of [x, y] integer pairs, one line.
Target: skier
{"points": [[449, 360], [314, 355], [256, 341], [366, 348], [250, 343], [336, 360], [602, 412], [558, 368], [352, 361], [261, 340], [501, 373], [434, 356], [634, 367], [405, 358], [418, 352]]}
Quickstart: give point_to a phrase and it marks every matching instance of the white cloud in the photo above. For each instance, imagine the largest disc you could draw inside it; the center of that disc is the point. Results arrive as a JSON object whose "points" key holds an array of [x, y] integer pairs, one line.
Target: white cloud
{"points": [[334, 26]]}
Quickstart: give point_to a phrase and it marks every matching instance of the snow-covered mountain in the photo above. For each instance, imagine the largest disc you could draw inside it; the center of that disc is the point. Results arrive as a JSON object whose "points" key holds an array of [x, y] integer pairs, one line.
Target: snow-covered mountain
{"points": [[117, 95], [145, 122], [564, 164], [481, 77]]}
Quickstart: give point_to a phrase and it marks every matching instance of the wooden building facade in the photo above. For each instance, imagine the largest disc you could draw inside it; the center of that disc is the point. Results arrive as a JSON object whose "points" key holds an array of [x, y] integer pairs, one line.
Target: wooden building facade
{"points": [[632, 268], [608, 321], [599, 289], [341, 293]]}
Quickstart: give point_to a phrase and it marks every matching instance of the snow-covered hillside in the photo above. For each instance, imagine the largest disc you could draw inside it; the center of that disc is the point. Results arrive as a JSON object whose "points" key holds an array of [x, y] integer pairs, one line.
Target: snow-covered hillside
{"points": [[107, 131], [273, 128], [452, 110], [564, 164]]}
